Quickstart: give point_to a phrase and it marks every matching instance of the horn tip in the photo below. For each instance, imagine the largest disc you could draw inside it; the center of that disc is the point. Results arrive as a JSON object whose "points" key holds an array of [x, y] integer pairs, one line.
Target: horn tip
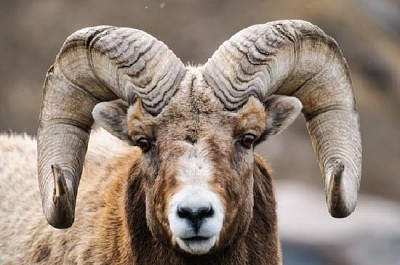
{"points": [[339, 198], [60, 212]]}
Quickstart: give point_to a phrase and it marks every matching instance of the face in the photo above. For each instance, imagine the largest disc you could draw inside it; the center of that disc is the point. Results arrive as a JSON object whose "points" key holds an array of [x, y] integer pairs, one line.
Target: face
{"points": [[197, 166]]}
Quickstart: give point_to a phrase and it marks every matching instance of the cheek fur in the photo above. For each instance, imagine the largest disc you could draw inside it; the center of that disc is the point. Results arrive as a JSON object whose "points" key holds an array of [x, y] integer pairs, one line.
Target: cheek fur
{"points": [[235, 186], [158, 198]]}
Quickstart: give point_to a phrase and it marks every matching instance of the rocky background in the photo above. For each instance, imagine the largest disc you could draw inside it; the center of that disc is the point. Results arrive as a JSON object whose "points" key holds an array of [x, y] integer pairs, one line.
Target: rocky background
{"points": [[368, 32]]}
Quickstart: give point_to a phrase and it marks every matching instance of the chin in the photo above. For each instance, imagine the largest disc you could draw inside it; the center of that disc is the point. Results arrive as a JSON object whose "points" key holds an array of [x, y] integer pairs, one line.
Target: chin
{"points": [[196, 245]]}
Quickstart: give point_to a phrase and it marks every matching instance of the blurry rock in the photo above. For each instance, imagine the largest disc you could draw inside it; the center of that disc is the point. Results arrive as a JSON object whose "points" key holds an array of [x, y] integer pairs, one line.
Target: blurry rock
{"points": [[369, 236]]}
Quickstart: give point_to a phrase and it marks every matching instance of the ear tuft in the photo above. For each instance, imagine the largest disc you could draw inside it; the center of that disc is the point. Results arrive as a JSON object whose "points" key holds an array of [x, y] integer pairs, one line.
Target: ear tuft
{"points": [[281, 112], [112, 116]]}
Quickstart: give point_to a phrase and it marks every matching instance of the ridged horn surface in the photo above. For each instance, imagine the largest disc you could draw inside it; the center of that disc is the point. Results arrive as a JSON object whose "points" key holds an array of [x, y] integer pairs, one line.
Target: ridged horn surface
{"points": [[95, 64], [296, 58]]}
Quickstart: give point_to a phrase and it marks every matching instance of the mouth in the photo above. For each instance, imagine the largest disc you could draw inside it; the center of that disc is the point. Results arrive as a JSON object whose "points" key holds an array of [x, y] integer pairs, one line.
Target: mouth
{"points": [[196, 245], [195, 239]]}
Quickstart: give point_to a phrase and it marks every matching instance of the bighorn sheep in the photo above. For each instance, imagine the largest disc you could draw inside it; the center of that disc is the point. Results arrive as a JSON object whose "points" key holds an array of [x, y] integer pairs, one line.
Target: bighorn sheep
{"points": [[196, 193]]}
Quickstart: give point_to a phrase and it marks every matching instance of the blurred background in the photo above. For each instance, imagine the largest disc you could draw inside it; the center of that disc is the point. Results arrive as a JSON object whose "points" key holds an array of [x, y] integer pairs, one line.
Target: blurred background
{"points": [[368, 31]]}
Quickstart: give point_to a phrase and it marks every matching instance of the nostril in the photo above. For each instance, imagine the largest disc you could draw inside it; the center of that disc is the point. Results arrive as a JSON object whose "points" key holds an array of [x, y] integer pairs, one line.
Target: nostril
{"points": [[204, 212], [185, 212]]}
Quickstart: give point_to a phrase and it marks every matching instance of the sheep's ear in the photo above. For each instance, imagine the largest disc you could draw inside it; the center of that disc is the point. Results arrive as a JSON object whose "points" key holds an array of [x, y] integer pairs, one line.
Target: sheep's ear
{"points": [[281, 112], [112, 116]]}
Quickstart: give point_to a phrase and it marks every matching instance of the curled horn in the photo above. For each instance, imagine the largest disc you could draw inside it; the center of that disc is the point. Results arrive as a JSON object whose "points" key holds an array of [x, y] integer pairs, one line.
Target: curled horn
{"points": [[298, 59], [94, 65]]}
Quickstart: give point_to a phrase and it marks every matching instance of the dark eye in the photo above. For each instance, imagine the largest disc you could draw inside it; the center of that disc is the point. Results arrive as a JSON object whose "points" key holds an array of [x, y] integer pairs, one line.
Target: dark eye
{"points": [[247, 140], [143, 143]]}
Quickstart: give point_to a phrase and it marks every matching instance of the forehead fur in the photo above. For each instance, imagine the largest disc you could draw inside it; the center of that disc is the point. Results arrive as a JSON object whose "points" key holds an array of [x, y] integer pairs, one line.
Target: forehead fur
{"points": [[194, 96], [194, 110]]}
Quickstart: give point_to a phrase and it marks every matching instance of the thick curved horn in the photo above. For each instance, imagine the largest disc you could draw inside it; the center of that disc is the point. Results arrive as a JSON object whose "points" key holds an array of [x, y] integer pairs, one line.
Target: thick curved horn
{"points": [[95, 64], [296, 58]]}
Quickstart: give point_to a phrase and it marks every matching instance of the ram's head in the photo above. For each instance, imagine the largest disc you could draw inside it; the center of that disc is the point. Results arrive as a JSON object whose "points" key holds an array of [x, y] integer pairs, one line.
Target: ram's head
{"points": [[197, 126]]}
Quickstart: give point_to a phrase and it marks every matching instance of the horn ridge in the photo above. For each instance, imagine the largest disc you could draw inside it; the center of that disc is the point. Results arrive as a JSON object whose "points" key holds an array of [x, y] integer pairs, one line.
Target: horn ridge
{"points": [[296, 58], [95, 64]]}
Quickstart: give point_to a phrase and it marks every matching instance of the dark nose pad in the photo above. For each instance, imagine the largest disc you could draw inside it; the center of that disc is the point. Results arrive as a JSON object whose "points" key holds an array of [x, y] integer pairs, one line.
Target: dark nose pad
{"points": [[195, 216]]}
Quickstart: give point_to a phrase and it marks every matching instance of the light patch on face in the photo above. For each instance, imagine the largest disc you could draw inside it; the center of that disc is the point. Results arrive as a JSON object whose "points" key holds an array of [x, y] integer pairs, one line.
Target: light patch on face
{"points": [[195, 212], [194, 166]]}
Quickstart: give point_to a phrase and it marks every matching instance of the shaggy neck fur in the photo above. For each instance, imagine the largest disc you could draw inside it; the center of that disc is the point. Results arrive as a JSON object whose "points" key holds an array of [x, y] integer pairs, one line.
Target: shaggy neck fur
{"points": [[259, 246]]}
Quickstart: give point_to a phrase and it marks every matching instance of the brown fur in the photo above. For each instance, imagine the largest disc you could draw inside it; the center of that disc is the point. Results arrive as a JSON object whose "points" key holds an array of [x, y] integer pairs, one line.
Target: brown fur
{"points": [[111, 227]]}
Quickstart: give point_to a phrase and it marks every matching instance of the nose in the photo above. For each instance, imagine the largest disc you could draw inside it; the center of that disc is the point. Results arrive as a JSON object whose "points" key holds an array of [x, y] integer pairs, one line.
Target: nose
{"points": [[195, 215]]}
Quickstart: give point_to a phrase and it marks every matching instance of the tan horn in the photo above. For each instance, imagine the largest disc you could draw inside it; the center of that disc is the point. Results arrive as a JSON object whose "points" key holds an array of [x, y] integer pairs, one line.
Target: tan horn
{"points": [[94, 65], [298, 59]]}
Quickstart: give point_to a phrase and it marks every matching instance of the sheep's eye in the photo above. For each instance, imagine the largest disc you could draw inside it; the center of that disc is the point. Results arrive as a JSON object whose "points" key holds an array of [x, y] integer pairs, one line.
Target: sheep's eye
{"points": [[247, 140], [143, 143]]}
